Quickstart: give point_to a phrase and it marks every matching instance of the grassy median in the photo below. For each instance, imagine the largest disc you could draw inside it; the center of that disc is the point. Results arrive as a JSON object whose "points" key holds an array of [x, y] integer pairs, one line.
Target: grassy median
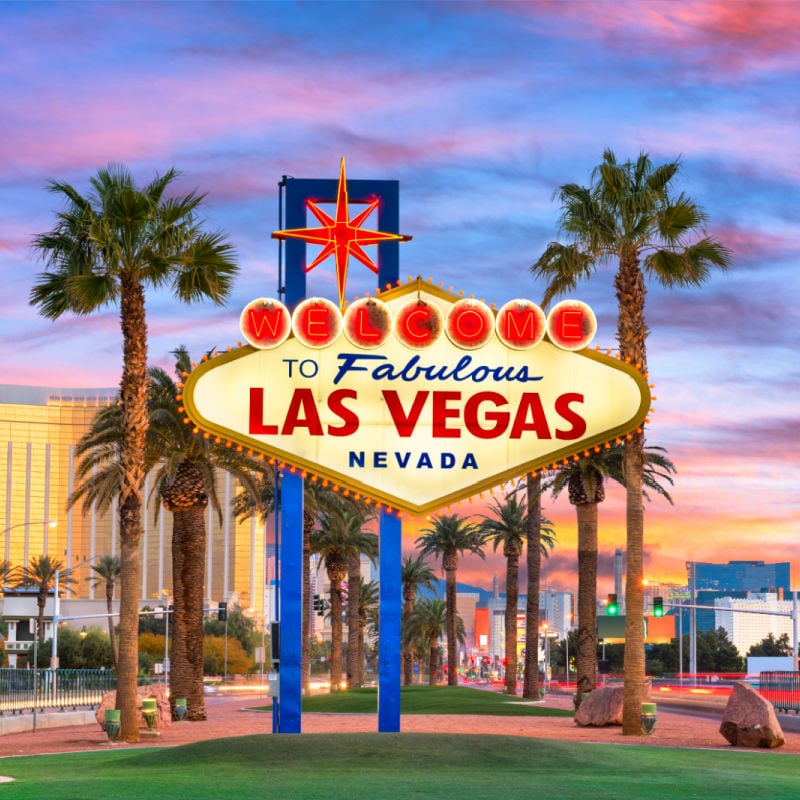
{"points": [[402, 767]]}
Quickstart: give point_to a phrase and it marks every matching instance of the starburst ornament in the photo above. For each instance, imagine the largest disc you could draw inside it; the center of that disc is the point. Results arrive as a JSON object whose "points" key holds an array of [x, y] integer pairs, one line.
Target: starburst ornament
{"points": [[340, 236]]}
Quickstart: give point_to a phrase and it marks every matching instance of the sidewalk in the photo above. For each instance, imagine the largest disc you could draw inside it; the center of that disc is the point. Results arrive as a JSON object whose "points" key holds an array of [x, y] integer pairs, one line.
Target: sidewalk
{"points": [[229, 716]]}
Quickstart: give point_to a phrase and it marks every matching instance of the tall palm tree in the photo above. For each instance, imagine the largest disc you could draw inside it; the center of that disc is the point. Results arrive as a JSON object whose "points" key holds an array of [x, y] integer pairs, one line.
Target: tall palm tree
{"points": [[415, 574], [450, 536], [506, 526], [631, 216], [106, 574], [106, 248], [40, 574], [427, 623], [338, 536], [184, 466]]}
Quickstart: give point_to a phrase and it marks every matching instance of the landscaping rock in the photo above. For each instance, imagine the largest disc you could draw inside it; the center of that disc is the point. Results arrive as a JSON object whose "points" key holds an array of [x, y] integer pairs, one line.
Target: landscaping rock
{"points": [[749, 719], [164, 718], [603, 706]]}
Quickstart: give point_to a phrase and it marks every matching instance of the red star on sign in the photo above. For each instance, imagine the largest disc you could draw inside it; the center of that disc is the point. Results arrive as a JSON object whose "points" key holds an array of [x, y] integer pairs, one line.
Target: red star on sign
{"points": [[340, 236]]}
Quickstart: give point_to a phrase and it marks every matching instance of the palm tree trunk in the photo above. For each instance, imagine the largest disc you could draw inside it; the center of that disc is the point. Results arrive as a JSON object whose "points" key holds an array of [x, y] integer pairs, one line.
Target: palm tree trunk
{"points": [[530, 687], [336, 635], [188, 567], [353, 603], [512, 596], [634, 690], [433, 661], [133, 405], [451, 611], [632, 336], [305, 653], [586, 660], [128, 656], [408, 649]]}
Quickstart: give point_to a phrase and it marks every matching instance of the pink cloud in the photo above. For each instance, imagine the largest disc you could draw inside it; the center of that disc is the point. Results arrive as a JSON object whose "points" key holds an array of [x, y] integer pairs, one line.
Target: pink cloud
{"points": [[722, 35]]}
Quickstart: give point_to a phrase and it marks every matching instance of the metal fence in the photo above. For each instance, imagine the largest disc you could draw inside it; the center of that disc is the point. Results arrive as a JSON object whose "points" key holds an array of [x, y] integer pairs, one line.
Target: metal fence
{"points": [[63, 689], [782, 689]]}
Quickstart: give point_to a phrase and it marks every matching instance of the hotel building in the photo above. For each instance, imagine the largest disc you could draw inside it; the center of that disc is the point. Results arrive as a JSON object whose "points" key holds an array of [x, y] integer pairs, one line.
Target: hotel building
{"points": [[39, 430]]}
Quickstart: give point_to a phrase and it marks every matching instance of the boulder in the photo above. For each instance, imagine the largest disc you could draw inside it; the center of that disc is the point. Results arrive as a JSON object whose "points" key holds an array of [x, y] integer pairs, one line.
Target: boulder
{"points": [[603, 706], [164, 718], [749, 719]]}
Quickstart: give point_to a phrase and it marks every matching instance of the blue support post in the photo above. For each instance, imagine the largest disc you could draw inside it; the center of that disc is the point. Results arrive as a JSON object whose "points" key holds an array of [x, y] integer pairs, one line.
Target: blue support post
{"points": [[291, 588], [391, 604], [298, 191]]}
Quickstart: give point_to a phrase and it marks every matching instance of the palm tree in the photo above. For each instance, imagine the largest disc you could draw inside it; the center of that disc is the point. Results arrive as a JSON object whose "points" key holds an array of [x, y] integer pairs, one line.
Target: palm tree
{"points": [[338, 536], [107, 574], [450, 535], [184, 465], [415, 575], [630, 216], [507, 526], [41, 574], [427, 623], [106, 248], [369, 597]]}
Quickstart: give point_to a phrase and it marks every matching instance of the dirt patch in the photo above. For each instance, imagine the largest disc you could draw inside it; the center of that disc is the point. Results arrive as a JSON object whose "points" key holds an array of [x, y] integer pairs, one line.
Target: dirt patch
{"points": [[229, 716]]}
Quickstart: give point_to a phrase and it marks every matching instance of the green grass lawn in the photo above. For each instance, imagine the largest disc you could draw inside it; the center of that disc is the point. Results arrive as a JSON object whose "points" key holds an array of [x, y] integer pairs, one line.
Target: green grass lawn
{"points": [[403, 767], [432, 700]]}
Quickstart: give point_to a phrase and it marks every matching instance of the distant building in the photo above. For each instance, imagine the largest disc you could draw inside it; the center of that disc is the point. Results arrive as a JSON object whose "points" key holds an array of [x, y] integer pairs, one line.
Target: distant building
{"points": [[742, 576], [745, 630]]}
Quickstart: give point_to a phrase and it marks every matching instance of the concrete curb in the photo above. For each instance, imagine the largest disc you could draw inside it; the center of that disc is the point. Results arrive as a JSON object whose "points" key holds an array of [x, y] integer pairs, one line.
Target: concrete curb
{"points": [[23, 723]]}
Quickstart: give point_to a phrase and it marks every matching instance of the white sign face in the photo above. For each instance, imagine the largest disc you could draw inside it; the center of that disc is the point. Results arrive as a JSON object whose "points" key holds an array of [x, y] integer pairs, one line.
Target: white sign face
{"points": [[416, 428]]}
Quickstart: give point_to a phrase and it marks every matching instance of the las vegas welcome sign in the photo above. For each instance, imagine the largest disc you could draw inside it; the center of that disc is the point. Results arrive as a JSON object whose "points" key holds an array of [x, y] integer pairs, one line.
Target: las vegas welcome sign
{"points": [[416, 398]]}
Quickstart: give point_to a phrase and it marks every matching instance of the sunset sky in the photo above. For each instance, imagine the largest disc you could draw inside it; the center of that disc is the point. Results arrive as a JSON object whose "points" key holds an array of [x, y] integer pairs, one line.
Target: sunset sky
{"points": [[481, 110]]}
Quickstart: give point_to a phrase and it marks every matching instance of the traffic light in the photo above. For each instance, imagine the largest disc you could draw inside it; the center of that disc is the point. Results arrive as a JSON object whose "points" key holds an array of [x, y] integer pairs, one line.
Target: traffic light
{"points": [[222, 612], [319, 605], [658, 606], [612, 608]]}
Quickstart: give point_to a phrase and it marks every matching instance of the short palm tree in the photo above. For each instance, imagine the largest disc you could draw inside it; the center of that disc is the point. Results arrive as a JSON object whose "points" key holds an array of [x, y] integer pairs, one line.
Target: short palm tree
{"points": [[106, 248], [338, 536], [106, 574], [427, 623], [415, 574], [369, 597], [507, 526], [40, 574], [631, 216], [355, 639], [449, 536]]}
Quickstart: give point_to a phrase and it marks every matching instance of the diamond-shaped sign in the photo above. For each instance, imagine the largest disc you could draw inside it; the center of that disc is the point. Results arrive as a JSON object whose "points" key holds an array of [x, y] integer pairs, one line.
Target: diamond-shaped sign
{"points": [[416, 428]]}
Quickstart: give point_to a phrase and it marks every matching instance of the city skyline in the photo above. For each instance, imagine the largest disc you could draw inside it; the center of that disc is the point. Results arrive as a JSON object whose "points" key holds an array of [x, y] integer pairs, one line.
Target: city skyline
{"points": [[480, 110]]}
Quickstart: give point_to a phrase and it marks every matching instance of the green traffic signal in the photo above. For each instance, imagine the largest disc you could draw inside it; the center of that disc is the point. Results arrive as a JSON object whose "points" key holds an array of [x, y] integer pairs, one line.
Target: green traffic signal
{"points": [[612, 607], [658, 606]]}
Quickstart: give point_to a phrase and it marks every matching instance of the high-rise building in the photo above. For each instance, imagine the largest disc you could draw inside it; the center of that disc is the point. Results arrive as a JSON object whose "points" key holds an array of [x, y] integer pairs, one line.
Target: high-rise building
{"points": [[742, 576], [39, 430]]}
